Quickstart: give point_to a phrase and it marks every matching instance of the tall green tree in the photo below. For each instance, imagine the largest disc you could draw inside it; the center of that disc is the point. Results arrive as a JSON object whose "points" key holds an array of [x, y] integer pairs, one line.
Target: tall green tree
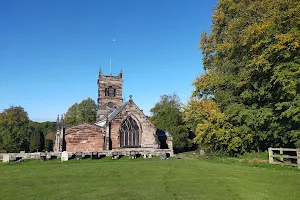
{"points": [[44, 127], [41, 130], [167, 116], [85, 112], [36, 141], [252, 72], [15, 129], [49, 141], [72, 115]]}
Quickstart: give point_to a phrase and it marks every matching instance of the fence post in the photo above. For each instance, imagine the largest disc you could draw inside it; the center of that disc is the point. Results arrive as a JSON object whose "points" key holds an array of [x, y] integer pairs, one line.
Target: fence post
{"points": [[270, 155], [281, 154], [298, 157]]}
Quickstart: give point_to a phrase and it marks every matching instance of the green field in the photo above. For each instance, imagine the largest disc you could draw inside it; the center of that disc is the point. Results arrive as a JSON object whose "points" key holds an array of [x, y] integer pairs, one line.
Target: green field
{"points": [[145, 179]]}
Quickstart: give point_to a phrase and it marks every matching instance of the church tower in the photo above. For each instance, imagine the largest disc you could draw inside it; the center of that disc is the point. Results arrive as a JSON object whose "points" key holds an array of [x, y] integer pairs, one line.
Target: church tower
{"points": [[109, 93]]}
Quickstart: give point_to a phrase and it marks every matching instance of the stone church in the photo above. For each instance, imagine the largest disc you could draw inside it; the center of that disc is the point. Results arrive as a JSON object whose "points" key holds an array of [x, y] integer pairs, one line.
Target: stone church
{"points": [[120, 127]]}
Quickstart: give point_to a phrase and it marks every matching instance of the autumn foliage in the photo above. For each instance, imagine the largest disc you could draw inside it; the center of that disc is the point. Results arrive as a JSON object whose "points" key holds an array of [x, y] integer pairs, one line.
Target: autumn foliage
{"points": [[248, 97]]}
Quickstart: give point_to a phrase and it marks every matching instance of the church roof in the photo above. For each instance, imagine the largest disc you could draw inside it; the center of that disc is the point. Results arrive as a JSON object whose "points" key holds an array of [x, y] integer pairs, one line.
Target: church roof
{"points": [[111, 116], [114, 113]]}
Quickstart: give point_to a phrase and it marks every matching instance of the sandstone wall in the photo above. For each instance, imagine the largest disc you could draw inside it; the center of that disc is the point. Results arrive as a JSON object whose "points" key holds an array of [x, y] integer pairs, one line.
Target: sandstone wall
{"points": [[85, 137], [148, 138], [103, 82], [114, 134]]}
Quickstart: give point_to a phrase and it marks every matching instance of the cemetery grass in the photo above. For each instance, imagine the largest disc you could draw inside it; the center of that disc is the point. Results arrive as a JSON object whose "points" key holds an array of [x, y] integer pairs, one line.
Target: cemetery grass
{"points": [[145, 179]]}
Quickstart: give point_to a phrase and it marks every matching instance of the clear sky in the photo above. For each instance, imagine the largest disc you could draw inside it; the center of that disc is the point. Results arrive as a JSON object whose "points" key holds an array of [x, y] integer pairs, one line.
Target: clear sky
{"points": [[51, 51]]}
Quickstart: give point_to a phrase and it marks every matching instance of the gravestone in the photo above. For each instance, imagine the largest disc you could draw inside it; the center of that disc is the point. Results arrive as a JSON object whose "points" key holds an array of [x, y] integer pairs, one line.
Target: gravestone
{"points": [[5, 158], [94, 155], [20, 160], [147, 155], [48, 157], [132, 155], [64, 156], [202, 153], [163, 155], [43, 156], [78, 155], [115, 156]]}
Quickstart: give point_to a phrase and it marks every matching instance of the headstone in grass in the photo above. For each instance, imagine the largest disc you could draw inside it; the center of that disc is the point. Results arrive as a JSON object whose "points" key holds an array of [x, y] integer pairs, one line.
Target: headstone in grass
{"points": [[115, 156], [5, 158], [78, 155], [101, 155], [43, 156], [147, 155], [202, 153], [48, 156], [163, 155], [94, 155], [20, 160], [64, 156], [132, 155]]}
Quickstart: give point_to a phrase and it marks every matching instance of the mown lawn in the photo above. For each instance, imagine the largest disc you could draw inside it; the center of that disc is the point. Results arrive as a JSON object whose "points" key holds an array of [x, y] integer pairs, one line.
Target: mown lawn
{"points": [[145, 179]]}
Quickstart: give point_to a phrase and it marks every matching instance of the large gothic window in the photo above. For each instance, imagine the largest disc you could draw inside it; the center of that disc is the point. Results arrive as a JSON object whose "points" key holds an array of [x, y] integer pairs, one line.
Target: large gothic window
{"points": [[110, 91], [129, 133]]}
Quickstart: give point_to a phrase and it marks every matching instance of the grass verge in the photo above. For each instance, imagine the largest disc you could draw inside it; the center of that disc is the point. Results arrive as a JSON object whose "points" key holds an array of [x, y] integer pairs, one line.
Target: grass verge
{"points": [[144, 179]]}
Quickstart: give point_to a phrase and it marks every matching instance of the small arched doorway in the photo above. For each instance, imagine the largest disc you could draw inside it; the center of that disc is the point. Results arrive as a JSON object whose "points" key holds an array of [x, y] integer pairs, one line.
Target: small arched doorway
{"points": [[129, 133]]}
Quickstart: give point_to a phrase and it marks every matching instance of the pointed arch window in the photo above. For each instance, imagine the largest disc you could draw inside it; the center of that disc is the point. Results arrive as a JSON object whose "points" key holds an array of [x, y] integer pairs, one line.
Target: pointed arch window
{"points": [[129, 133]]}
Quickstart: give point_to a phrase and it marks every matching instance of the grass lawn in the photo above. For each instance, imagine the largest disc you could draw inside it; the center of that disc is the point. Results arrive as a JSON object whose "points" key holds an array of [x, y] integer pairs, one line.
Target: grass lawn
{"points": [[145, 179]]}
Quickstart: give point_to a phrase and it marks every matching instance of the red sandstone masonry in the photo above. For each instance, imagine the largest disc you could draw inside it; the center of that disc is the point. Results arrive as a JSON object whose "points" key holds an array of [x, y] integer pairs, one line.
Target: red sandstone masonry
{"points": [[85, 137], [148, 131], [105, 81], [115, 135]]}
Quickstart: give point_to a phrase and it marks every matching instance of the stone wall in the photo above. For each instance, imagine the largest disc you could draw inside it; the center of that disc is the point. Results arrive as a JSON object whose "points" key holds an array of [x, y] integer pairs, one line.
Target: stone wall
{"points": [[122, 151], [114, 134], [85, 138], [116, 82], [126, 151], [148, 138], [24, 155]]}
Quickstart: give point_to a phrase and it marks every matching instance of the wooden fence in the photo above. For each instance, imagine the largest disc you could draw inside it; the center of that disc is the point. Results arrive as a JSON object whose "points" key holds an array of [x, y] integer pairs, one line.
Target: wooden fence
{"points": [[284, 156]]}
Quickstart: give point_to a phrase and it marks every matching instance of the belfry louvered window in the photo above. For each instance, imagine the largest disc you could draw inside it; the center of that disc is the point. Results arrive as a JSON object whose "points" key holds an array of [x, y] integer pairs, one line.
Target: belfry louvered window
{"points": [[110, 91], [129, 133]]}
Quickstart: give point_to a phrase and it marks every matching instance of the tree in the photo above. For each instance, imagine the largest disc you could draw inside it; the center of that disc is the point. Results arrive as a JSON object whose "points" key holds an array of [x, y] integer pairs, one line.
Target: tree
{"points": [[36, 141], [45, 127], [72, 115], [85, 112], [252, 74], [41, 130], [14, 129], [49, 141], [167, 116]]}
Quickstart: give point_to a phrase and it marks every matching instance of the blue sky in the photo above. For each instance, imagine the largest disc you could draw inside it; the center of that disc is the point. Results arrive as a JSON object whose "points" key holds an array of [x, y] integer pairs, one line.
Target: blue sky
{"points": [[51, 51]]}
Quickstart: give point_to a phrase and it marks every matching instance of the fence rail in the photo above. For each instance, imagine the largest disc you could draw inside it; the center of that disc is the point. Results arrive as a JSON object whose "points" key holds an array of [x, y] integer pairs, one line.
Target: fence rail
{"points": [[284, 158]]}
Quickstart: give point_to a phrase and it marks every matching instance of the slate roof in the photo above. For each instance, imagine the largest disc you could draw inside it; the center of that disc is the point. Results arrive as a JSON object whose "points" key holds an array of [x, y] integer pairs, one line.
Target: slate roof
{"points": [[111, 116]]}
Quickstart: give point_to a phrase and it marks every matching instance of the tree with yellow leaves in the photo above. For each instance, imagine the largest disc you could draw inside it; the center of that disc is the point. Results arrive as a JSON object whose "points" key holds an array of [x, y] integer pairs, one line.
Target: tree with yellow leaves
{"points": [[251, 60]]}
